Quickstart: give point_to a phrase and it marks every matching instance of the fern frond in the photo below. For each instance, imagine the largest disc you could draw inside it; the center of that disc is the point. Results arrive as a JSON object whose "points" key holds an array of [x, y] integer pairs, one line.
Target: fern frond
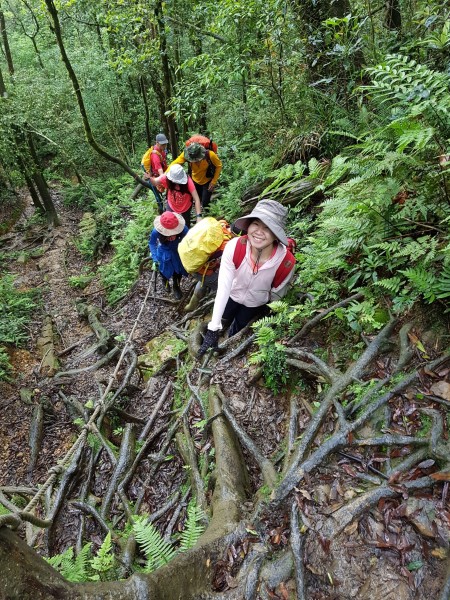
{"points": [[103, 561], [194, 527], [156, 550], [391, 284], [72, 569], [424, 281]]}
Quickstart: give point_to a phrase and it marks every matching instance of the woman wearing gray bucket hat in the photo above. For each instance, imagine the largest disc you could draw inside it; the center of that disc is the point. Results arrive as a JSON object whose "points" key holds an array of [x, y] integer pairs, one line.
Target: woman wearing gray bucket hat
{"points": [[181, 192], [255, 269]]}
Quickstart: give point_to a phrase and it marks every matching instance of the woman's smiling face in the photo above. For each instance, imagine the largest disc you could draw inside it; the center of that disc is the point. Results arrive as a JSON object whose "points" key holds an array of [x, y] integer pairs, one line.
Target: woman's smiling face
{"points": [[260, 235]]}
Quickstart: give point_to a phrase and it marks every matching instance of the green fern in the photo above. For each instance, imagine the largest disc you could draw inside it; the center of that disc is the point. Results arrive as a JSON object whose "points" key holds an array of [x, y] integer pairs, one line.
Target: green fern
{"points": [[402, 79], [156, 550], [423, 281], [73, 569], [443, 283], [194, 527], [103, 561]]}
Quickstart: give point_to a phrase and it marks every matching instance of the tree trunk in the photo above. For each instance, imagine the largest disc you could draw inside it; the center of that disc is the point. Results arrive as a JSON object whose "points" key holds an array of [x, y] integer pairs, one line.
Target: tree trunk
{"points": [[393, 18], [41, 184], [6, 43], [148, 134], [33, 193], [167, 86], [3, 93]]}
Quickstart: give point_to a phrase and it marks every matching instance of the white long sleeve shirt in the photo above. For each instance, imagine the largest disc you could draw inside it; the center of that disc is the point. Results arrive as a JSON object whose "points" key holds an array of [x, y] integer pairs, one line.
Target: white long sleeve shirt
{"points": [[244, 286]]}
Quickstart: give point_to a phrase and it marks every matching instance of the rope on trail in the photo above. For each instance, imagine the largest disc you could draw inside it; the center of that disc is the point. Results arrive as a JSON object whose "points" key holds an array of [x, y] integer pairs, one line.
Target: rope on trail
{"points": [[14, 520]]}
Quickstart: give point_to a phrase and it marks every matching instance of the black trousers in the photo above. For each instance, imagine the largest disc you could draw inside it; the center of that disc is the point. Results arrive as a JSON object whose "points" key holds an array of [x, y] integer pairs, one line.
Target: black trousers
{"points": [[186, 215], [203, 193], [239, 315]]}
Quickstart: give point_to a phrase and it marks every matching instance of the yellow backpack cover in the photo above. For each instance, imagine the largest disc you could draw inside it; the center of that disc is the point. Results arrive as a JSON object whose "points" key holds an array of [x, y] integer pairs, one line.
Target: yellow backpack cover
{"points": [[199, 243]]}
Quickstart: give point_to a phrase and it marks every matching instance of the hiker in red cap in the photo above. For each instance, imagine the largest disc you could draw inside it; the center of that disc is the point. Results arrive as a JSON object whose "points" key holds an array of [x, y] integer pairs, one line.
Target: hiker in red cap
{"points": [[255, 269], [169, 230]]}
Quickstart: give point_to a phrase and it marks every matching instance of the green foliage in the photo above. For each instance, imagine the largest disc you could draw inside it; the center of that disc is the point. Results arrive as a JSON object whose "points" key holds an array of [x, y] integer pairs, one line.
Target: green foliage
{"points": [[5, 365], [74, 569], [194, 526], [85, 567], [16, 310], [156, 550], [80, 281], [103, 562], [131, 246]]}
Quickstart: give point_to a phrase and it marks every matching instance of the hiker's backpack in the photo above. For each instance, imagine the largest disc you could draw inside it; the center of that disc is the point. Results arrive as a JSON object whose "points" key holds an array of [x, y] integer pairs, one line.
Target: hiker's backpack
{"points": [[285, 267], [203, 141], [201, 242], [147, 160]]}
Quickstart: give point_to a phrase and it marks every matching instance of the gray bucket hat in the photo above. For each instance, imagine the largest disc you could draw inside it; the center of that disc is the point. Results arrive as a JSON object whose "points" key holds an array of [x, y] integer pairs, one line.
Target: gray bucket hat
{"points": [[272, 214], [194, 152], [161, 139]]}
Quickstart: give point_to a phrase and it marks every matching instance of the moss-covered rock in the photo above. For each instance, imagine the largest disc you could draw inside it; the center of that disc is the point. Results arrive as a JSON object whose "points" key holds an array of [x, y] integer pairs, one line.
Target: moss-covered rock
{"points": [[159, 350]]}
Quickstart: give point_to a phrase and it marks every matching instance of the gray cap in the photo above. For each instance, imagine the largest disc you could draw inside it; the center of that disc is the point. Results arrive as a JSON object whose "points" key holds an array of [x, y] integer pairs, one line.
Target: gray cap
{"points": [[272, 214], [161, 139]]}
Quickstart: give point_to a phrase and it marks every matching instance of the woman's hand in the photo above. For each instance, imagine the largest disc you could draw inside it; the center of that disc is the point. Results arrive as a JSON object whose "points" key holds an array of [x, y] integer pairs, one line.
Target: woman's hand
{"points": [[210, 340]]}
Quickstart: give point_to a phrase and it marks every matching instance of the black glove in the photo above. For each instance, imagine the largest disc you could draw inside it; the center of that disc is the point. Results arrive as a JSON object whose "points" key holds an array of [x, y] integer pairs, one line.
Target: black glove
{"points": [[210, 340]]}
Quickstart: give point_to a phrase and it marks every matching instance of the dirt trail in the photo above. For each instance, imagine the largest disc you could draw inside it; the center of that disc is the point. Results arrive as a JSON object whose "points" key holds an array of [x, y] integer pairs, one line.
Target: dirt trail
{"points": [[388, 553]]}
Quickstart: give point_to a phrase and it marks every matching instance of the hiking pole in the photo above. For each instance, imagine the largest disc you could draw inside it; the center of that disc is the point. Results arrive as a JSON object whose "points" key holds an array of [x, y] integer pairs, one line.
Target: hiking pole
{"points": [[154, 277]]}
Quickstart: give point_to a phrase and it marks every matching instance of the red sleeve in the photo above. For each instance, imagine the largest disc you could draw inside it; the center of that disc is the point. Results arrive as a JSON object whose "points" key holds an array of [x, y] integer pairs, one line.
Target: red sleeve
{"points": [[156, 162], [191, 185], [162, 180]]}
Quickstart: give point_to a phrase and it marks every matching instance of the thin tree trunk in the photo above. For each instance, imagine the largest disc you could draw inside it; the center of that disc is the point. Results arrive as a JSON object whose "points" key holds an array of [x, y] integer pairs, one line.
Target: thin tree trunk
{"points": [[167, 87], [41, 184], [3, 93], [6, 43], [146, 111], [393, 19], [30, 185], [76, 86]]}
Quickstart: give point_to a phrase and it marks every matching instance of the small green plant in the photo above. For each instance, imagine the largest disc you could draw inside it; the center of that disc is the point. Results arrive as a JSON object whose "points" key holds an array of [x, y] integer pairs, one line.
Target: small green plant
{"points": [[194, 526], [131, 246], [5, 365], [73, 568], [16, 310], [80, 281], [156, 550], [85, 567], [104, 561]]}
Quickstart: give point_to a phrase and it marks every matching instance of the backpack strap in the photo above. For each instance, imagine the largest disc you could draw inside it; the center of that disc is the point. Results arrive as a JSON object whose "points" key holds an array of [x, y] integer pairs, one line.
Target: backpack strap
{"points": [[284, 268], [155, 151], [239, 251]]}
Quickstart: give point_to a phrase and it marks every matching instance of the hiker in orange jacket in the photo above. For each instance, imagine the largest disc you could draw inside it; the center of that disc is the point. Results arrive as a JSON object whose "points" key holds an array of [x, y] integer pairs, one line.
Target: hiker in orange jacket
{"points": [[204, 168]]}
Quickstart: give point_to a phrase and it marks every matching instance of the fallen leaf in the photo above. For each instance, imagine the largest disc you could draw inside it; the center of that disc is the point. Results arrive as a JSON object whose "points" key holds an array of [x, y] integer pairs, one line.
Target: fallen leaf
{"points": [[231, 581], [283, 591], [351, 528], [441, 476], [441, 389], [305, 494], [426, 464], [440, 553]]}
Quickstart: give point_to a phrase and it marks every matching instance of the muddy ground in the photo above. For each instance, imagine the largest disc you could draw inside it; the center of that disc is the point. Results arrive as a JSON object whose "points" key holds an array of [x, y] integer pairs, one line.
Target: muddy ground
{"points": [[397, 549]]}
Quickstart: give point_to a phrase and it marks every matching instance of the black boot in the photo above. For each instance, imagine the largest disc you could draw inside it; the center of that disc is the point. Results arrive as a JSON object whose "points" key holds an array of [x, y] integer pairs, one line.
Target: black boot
{"points": [[166, 284], [177, 293]]}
